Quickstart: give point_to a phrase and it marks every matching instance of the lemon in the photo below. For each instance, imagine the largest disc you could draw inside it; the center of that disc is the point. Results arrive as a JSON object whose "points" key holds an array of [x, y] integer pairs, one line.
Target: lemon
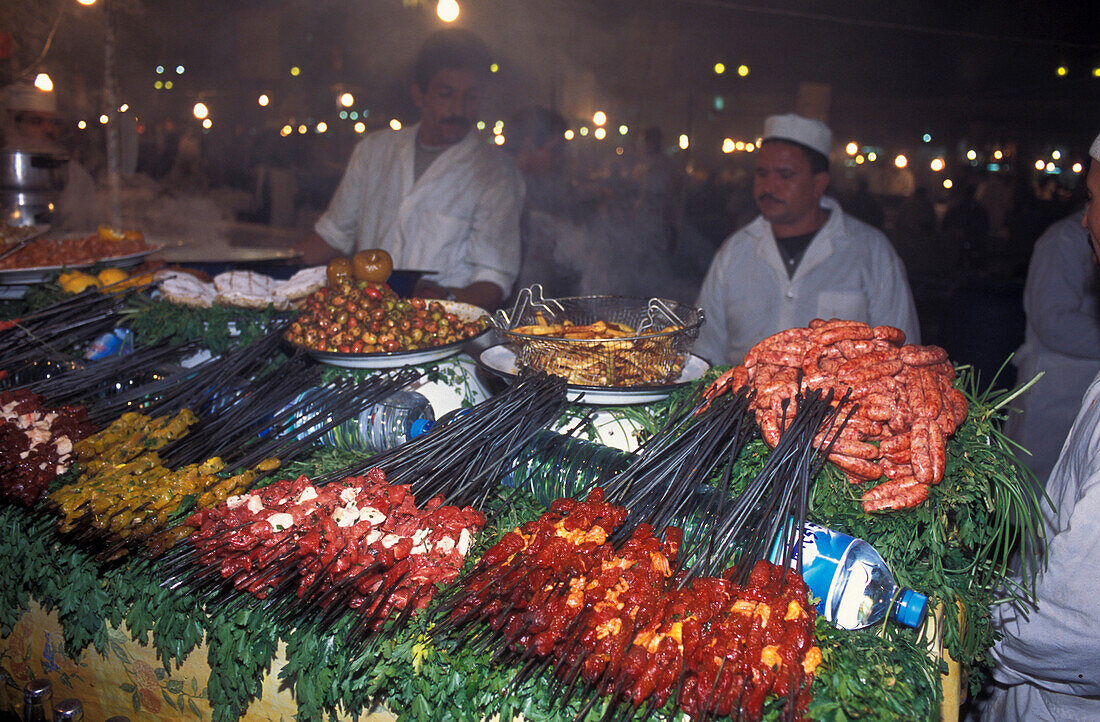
{"points": [[108, 233], [68, 276], [112, 275], [80, 281]]}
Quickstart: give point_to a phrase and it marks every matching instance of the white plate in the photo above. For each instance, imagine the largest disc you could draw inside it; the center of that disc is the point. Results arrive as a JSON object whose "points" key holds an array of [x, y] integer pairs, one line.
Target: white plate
{"points": [[502, 361], [38, 274], [15, 282], [387, 360]]}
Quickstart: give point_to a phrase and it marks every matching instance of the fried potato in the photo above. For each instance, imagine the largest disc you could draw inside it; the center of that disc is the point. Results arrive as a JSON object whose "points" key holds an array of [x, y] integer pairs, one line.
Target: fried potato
{"points": [[602, 353]]}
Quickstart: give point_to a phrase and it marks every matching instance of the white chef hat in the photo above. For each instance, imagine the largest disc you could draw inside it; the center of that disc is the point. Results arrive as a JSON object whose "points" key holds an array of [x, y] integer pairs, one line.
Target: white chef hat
{"points": [[1094, 151], [808, 132], [26, 97]]}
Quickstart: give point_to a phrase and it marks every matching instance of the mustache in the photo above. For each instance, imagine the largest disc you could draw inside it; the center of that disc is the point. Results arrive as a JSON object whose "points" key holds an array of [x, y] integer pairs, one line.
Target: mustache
{"points": [[457, 120], [767, 197]]}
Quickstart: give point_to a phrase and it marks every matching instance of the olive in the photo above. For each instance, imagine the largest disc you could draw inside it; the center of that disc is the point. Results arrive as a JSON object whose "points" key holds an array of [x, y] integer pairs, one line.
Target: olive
{"points": [[339, 269]]}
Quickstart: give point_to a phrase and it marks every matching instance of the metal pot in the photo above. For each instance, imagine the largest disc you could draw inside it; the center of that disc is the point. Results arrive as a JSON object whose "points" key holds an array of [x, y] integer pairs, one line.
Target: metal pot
{"points": [[27, 171]]}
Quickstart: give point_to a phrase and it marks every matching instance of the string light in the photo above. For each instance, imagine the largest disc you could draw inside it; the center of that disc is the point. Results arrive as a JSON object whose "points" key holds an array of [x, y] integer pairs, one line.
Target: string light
{"points": [[447, 10]]}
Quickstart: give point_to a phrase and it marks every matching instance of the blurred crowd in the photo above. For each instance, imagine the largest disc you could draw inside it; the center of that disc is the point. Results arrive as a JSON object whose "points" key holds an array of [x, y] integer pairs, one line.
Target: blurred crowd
{"points": [[633, 216]]}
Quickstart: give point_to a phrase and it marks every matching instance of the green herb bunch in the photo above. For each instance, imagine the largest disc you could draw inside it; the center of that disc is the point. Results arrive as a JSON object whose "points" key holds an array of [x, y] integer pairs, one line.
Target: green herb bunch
{"points": [[955, 547]]}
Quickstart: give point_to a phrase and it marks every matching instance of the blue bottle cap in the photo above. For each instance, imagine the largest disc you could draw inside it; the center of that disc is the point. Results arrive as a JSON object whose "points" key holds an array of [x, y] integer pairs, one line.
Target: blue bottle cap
{"points": [[911, 607], [420, 426]]}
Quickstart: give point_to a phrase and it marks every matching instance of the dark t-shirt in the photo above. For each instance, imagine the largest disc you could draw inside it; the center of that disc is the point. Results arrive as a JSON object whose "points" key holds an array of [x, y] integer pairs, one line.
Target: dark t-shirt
{"points": [[792, 248]]}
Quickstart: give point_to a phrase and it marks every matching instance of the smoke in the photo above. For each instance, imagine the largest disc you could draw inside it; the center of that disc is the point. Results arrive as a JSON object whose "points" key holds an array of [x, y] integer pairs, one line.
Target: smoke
{"points": [[182, 218]]}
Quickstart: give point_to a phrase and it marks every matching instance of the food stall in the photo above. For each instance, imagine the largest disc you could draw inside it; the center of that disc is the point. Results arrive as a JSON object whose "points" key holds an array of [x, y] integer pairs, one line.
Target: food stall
{"points": [[150, 599]]}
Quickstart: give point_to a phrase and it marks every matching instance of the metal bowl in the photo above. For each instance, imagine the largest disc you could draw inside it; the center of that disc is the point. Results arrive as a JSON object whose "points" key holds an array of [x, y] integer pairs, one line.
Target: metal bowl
{"points": [[27, 171]]}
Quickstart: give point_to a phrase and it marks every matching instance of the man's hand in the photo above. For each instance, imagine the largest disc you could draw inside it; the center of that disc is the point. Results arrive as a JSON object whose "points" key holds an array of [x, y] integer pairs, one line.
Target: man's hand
{"points": [[484, 294], [315, 251]]}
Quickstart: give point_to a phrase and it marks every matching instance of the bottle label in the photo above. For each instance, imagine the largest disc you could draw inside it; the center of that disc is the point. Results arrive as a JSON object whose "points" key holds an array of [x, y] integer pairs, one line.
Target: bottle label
{"points": [[822, 551], [112, 343]]}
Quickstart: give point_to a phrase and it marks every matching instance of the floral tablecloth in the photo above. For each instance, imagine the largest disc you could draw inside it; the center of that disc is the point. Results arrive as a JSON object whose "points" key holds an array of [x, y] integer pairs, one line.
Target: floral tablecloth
{"points": [[129, 680]]}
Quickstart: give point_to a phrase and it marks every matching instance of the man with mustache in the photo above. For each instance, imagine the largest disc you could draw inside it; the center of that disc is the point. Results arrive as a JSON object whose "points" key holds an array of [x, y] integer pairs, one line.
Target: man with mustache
{"points": [[802, 258], [433, 195]]}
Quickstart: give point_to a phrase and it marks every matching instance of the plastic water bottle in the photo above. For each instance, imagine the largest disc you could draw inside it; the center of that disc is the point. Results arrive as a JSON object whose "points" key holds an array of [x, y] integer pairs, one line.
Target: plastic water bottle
{"points": [[388, 423], [395, 420], [854, 586]]}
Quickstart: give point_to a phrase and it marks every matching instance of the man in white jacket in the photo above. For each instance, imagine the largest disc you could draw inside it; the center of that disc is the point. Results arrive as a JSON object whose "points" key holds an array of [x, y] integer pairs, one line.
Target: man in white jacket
{"points": [[433, 195], [1062, 304], [802, 258], [1048, 663]]}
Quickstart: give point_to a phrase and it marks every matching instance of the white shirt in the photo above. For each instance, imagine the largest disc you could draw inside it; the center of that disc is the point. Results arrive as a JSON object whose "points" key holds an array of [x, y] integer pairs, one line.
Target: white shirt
{"points": [[1048, 665], [459, 219], [1062, 339], [849, 271]]}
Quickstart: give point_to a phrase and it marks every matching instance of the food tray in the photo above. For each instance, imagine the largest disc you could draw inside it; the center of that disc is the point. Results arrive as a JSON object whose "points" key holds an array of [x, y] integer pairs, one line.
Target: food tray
{"points": [[655, 355], [395, 359], [501, 361]]}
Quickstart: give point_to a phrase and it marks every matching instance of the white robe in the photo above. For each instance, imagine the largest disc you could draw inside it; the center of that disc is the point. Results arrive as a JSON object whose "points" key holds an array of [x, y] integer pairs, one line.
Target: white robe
{"points": [[460, 218], [1048, 665], [1062, 339], [849, 271]]}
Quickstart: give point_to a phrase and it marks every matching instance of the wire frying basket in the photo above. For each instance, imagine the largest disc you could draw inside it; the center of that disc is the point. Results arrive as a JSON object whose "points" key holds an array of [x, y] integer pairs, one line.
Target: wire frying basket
{"points": [[645, 342]]}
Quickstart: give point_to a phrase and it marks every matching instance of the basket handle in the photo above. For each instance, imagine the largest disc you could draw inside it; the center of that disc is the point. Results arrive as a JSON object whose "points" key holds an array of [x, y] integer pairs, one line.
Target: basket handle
{"points": [[530, 297], [655, 306]]}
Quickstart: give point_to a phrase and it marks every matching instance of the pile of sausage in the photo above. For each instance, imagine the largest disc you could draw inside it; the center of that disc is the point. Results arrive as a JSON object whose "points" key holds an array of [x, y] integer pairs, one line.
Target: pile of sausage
{"points": [[906, 406], [360, 542], [622, 620]]}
